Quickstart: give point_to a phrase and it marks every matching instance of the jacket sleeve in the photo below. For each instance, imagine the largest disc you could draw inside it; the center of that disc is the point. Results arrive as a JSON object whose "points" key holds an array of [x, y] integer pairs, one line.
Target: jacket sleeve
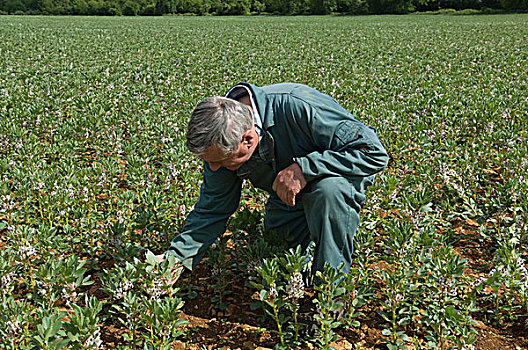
{"points": [[219, 199], [343, 146]]}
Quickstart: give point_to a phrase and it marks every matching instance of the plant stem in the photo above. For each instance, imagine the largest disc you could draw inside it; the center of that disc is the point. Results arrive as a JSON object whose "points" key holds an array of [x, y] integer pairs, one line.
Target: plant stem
{"points": [[296, 323], [279, 326]]}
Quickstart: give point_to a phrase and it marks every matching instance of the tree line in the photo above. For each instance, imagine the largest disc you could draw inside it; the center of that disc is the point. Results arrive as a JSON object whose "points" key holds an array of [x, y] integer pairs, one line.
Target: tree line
{"points": [[246, 7]]}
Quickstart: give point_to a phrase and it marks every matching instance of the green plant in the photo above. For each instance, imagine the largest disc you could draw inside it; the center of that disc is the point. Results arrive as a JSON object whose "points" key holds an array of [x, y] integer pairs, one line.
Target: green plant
{"points": [[329, 292], [162, 321], [83, 331], [270, 294], [47, 334], [292, 264], [220, 269]]}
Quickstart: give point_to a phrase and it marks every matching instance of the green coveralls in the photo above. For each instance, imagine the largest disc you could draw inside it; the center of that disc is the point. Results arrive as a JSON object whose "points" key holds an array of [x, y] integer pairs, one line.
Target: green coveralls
{"points": [[338, 157]]}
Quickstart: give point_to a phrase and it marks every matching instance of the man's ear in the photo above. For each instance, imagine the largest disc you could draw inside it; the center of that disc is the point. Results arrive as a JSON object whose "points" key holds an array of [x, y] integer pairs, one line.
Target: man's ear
{"points": [[250, 137]]}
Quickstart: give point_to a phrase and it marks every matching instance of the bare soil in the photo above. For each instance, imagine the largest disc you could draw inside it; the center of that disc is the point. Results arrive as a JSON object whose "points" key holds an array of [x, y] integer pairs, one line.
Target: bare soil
{"points": [[238, 327]]}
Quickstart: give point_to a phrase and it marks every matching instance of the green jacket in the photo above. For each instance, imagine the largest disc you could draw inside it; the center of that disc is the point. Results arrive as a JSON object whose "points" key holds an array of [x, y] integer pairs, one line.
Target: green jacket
{"points": [[299, 124]]}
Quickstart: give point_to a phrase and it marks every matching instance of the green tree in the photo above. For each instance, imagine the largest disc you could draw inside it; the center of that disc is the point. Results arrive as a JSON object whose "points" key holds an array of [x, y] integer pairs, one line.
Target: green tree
{"points": [[190, 6], [234, 7], [258, 7], [213, 6], [275, 6], [492, 4], [162, 7], [515, 5], [299, 7], [354, 7], [390, 6], [80, 7], [12, 6], [323, 7], [130, 8]]}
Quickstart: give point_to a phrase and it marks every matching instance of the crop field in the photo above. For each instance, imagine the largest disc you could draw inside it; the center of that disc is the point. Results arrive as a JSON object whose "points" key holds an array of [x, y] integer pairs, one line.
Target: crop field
{"points": [[96, 180]]}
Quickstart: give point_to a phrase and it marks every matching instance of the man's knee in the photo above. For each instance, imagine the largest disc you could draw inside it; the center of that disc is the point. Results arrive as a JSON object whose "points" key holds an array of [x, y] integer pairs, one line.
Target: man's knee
{"points": [[334, 191]]}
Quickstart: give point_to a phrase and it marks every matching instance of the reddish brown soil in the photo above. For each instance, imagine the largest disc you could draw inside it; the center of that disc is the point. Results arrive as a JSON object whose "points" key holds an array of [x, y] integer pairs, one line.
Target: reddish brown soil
{"points": [[238, 327]]}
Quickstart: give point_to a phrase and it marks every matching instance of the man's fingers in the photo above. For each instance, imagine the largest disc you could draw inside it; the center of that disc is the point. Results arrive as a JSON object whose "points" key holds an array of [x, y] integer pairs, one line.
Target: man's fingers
{"points": [[288, 183], [286, 195], [289, 198]]}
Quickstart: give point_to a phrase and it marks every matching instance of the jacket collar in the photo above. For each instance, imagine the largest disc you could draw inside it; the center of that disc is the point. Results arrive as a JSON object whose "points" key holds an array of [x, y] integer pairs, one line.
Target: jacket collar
{"points": [[262, 103]]}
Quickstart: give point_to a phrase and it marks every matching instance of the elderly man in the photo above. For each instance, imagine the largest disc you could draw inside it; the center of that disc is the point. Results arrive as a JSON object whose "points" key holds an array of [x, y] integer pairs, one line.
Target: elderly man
{"points": [[310, 154]]}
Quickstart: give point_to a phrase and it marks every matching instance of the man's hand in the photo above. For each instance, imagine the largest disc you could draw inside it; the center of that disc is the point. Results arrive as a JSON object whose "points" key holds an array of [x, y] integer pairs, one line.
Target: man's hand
{"points": [[288, 183], [176, 270]]}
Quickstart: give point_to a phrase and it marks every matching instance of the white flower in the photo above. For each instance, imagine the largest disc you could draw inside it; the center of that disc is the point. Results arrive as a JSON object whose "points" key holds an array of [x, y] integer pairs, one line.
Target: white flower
{"points": [[124, 286], [388, 302], [273, 292], [12, 328], [94, 341], [478, 282], [156, 291], [44, 287], [398, 298], [295, 287], [183, 210], [5, 281], [215, 271], [252, 270], [26, 250]]}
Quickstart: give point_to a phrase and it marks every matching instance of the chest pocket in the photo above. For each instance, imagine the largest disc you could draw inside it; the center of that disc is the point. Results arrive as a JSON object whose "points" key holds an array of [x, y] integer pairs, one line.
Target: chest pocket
{"points": [[260, 168]]}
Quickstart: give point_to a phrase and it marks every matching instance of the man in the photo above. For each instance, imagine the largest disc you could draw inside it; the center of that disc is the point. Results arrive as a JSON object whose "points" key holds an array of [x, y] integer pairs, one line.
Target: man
{"points": [[298, 144]]}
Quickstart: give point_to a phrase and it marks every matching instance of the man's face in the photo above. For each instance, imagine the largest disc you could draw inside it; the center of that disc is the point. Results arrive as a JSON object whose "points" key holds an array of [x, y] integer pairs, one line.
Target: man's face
{"points": [[233, 160]]}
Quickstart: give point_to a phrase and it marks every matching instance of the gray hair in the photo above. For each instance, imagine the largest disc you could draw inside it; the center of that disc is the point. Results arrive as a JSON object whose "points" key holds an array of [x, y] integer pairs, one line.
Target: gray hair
{"points": [[218, 121]]}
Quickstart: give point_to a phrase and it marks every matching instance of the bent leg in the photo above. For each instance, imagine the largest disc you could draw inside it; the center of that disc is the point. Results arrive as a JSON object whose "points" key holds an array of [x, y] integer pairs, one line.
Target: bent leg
{"points": [[288, 221], [332, 209]]}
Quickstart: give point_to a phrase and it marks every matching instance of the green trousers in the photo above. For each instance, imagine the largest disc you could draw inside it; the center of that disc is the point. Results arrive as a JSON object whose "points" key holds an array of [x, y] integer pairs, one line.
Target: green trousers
{"points": [[327, 214]]}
